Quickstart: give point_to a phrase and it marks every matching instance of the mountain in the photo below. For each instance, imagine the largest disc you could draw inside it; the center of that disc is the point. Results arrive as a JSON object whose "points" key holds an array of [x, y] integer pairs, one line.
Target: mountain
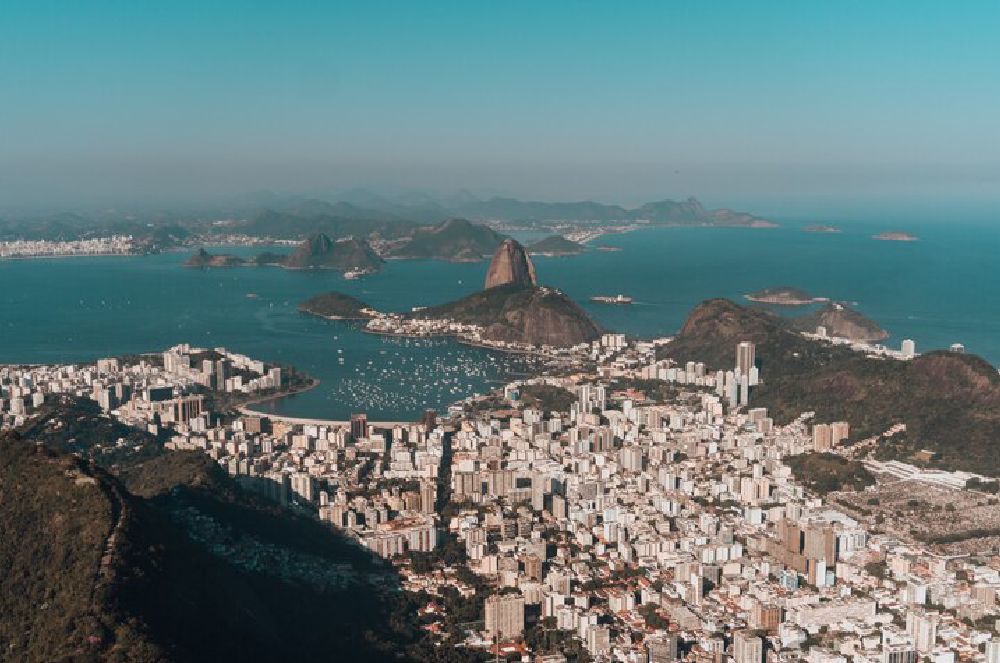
{"points": [[205, 259], [949, 402], [555, 245], [320, 252], [518, 313], [842, 322], [510, 264], [454, 239], [336, 305], [318, 217], [170, 559]]}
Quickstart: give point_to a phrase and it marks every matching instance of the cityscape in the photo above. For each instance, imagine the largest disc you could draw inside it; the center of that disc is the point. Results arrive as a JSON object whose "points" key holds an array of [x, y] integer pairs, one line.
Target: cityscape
{"points": [[535, 333]]}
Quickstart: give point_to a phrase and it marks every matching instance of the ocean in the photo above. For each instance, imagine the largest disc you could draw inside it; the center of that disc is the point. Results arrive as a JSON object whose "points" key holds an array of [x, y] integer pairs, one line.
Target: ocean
{"points": [[939, 290]]}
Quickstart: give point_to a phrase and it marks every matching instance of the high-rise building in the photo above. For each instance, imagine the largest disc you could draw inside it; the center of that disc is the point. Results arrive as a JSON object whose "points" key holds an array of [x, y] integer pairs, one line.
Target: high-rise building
{"points": [[922, 627], [822, 437], [747, 648], [505, 615], [839, 431], [359, 426], [908, 348], [746, 357]]}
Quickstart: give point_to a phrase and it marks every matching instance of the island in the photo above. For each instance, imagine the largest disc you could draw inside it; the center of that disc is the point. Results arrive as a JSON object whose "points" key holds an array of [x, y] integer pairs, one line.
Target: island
{"points": [[896, 237], [821, 229], [344, 255], [337, 306], [783, 296], [842, 322], [556, 245], [204, 260], [456, 240]]}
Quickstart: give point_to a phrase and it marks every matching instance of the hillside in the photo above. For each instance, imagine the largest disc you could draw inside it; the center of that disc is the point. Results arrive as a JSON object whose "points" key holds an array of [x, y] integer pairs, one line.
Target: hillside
{"points": [[320, 252], [555, 245], [454, 239], [950, 403], [335, 305], [173, 561], [843, 322], [522, 314]]}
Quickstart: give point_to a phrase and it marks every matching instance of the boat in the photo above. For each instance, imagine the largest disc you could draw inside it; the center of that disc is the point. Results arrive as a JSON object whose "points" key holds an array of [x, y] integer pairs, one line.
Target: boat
{"points": [[607, 299], [356, 273]]}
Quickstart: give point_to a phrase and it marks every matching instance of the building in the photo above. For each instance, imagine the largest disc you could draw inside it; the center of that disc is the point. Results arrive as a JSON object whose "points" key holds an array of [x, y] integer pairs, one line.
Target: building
{"points": [[505, 615], [746, 357], [747, 648], [661, 649], [908, 348], [359, 426]]}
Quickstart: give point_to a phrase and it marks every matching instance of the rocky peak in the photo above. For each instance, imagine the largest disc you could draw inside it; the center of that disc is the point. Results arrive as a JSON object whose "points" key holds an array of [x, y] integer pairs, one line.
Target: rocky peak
{"points": [[510, 264]]}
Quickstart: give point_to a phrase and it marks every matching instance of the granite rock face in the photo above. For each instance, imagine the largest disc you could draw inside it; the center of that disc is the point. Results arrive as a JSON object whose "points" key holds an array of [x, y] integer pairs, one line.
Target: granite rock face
{"points": [[510, 264]]}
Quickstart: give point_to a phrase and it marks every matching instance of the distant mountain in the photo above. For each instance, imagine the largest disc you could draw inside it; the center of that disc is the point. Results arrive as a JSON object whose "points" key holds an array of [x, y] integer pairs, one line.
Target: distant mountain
{"points": [[321, 252], [510, 264], [949, 402], [454, 239], [843, 322], [555, 245], [339, 220]]}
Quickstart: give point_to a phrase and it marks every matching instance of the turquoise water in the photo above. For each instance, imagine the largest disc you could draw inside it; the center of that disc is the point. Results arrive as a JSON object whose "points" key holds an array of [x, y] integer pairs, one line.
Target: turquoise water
{"points": [[942, 289]]}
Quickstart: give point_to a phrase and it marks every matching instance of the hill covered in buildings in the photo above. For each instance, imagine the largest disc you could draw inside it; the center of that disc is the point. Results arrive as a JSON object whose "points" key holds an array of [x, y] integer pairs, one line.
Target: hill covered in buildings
{"points": [[949, 402], [168, 559]]}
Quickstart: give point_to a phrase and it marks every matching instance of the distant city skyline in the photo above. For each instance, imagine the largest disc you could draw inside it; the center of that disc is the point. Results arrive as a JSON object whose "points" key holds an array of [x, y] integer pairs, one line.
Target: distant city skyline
{"points": [[116, 103]]}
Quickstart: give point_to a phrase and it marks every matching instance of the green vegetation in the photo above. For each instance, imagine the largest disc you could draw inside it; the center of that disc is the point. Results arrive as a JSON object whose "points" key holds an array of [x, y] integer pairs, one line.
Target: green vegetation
{"points": [[556, 245], [335, 305], [949, 402], [320, 252], [454, 239], [826, 472], [547, 397]]}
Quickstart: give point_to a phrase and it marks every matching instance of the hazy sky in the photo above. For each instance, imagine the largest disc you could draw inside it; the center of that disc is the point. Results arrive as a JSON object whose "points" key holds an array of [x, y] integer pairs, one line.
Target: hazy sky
{"points": [[733, 101]]}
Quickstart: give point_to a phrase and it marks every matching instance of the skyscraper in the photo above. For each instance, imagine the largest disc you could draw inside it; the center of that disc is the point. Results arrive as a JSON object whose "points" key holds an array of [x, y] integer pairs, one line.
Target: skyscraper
{"points": [[746, 357], [505, 615], [908, 348]]}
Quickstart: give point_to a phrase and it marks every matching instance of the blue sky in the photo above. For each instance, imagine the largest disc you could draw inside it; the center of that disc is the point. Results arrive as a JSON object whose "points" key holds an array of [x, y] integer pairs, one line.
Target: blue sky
{"points": [[619, 101]]}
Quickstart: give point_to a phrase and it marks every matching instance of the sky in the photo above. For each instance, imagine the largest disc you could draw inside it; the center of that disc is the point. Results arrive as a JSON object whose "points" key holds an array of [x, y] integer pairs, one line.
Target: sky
{"points": [[115, 102]]}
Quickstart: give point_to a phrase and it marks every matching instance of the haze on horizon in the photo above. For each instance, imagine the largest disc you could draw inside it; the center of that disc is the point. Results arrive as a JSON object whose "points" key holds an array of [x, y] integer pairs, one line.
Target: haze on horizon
{"points": [[118, 103]]}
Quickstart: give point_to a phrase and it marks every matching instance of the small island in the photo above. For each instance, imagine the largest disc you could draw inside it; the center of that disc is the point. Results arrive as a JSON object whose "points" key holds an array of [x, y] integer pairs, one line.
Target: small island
{"points": [[608, 247], [204, 260], [555, 245], [337, 306], [896, 237], [821, 229], [783, 296]]}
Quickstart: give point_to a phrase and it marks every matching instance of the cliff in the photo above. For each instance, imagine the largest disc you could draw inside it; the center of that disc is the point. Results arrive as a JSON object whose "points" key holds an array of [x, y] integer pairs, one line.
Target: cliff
{"points": [[205, 259], [950, 403], [454, 239], [320, 252], [336, 305], [521, 314], [555, 245], [842, 322], [510, 264]]}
